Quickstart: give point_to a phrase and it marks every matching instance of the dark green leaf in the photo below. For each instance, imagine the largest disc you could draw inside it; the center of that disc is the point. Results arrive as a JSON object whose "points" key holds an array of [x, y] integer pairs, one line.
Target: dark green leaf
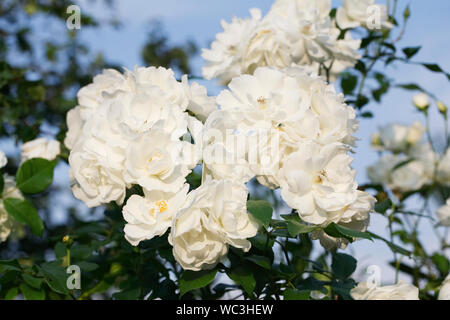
{"points": [[32, 293], [383, 206], [292, 294], [343, 265], [55, 276], [261, 261], [261, 210], [24, 212], [11, 293], [130, 294], [338, 231], [442, 263], [35, 175], [411, 51], [191, 280], [243, 277], [7, 265], [348, 83], [295, 227], [32, 281]]}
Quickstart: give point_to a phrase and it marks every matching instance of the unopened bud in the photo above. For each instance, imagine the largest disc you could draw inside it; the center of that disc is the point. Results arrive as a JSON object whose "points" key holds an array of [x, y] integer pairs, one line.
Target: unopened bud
{"points": [[67, 240], [442, 107], [375, 140], [421, 101]]}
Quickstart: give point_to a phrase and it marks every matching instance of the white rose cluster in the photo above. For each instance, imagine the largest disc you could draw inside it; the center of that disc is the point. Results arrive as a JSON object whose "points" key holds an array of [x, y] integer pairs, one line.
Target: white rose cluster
{"points": [[278, 121], [290, 130], [407, 163], [130, 129], [294, 32], [127, 130]]}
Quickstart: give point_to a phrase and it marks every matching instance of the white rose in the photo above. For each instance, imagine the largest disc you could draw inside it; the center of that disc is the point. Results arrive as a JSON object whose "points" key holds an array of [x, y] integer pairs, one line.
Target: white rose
{"points": [[421, 101], [200, 104], [75, 127], [313, 37], [160, 82], [355, 13], [91, 96], [214, 216], [3, 159], [151, 215], [444, 293], [355, 216], [398, 138], [224, 58], [380, 171], [40, 148], [443, 169], [408, 177], [399, 291], [318, 181], [155, 162], [6, 221], [96, 171], [443, 214]]}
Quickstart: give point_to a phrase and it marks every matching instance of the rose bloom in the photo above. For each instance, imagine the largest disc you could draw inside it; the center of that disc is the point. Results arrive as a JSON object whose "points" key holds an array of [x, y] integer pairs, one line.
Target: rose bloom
{"points": [[443, 214], [444, 293], [399, 291], [40, 148], [356, 13], [213, 217], [3, 159], [151, 215]]}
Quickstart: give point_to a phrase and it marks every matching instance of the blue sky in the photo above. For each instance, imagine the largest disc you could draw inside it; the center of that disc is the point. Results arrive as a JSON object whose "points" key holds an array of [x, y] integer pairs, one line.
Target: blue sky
{"points": [[199, 20]]}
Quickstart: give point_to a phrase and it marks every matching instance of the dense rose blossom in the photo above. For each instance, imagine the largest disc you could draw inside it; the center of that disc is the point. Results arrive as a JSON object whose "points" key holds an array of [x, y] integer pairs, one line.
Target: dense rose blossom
{"points": [[297, 32]]}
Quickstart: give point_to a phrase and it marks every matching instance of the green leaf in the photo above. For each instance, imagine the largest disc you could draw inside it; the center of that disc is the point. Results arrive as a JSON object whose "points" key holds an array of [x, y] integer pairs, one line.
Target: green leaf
{"points": [[243, 277], [261, 241], [87, 266], [11, 293], [7, 265], [348, 83], [293, 294], [130, 294], [35, 175], [261, 210], [24, 212], [295, 227], [410, 86], [260, 261], [60, 250], [411, 51], [80, 251], [343, 265], [442, 263], [31, 293], [383, 206], [32, 281], [338, 231], [55, 276], [191, 280], [394, 247]]}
